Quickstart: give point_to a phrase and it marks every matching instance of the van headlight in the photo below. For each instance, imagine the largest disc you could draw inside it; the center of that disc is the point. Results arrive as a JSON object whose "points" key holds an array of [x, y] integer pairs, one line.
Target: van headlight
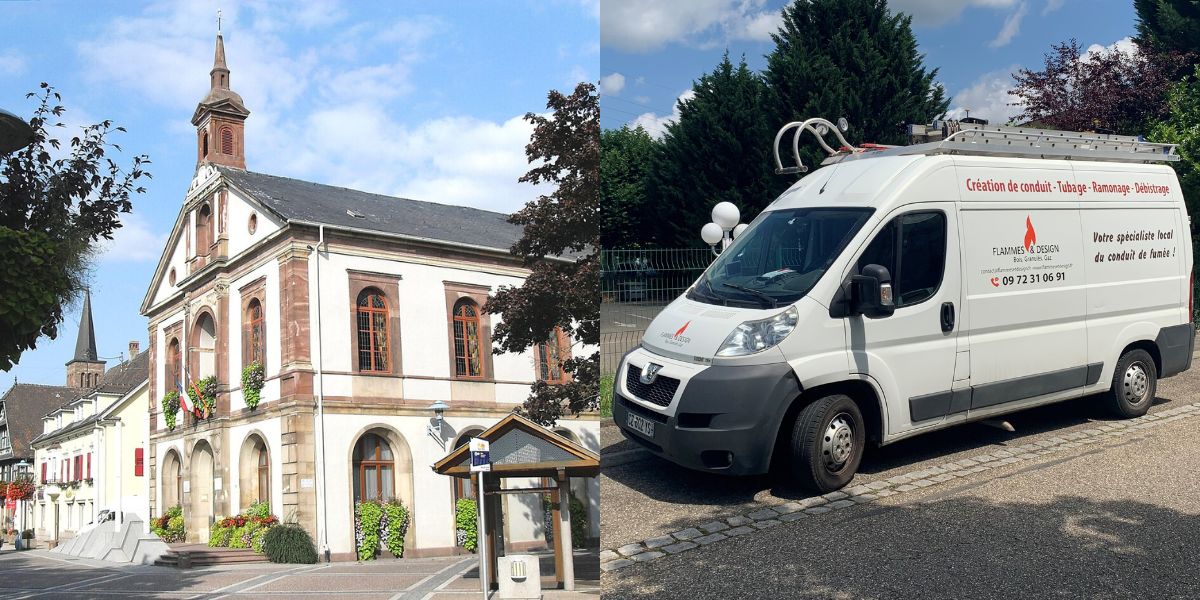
{"points": [[756, 336]]}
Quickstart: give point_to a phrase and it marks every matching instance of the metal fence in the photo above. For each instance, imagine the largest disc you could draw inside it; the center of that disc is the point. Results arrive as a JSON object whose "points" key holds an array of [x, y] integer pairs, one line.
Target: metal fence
{"points": [[634, 286]]}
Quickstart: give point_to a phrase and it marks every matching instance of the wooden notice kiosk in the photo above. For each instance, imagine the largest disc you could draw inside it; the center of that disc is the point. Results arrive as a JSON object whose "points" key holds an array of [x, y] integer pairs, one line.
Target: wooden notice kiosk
{"points": [[522, 448]]}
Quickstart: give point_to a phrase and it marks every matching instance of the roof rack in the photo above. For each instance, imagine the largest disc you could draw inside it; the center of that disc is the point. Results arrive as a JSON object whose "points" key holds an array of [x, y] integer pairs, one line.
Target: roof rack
{"points": [[993, 140], [980, 139]]}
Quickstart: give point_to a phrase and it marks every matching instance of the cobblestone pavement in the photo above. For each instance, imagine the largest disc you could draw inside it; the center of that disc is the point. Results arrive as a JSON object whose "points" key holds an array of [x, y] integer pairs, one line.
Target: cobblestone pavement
{"points": [[750, 525], [41, 575]]}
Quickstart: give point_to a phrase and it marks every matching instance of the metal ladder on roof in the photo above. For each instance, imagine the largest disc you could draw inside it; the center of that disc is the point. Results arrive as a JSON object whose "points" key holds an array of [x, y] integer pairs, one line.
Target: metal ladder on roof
{"points": [[954, 137]]}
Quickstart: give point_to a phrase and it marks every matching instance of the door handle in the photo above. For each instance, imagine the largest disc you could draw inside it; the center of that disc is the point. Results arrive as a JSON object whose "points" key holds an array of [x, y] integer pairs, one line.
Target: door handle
{"points": [[947, 316]]}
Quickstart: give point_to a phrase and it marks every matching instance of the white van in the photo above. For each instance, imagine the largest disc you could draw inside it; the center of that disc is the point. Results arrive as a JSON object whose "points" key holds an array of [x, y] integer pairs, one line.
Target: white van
{"points": [[903, 290]]}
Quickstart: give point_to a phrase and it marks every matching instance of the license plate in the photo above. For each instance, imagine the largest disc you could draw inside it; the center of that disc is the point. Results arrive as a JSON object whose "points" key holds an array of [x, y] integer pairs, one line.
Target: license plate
{"points": [[640, 424]]}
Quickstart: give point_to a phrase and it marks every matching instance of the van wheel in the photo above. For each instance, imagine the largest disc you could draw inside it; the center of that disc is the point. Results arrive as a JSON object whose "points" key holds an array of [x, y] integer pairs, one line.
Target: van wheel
{"points": [[827, 443], [1134, 384]]}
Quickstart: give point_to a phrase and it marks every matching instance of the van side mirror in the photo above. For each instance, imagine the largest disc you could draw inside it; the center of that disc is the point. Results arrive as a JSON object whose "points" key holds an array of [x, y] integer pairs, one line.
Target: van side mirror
{"points": [[871, 292]]}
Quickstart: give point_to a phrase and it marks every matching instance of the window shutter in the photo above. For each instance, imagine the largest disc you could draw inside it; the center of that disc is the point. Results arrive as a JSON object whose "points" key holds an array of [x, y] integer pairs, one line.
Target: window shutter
{"points": [[89, 471], [137, 462], [78, 467], [44, 465]]}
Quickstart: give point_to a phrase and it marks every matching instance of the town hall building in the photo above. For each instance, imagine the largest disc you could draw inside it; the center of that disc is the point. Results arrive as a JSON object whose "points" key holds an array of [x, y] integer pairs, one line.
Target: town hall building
{"points": [[365, 315]]}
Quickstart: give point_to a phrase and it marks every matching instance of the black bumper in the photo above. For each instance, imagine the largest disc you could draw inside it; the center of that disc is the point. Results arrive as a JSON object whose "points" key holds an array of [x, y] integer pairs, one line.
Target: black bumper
{"points": [[1175, 347], [725, 421]]}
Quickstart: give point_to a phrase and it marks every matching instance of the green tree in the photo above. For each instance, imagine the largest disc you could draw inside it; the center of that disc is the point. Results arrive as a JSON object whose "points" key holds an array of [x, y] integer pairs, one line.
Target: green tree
{"points": [[625, 156], [1182, 127], [1168, 26], [53, 212], [561, 247], [853, 59], [718, 150]]}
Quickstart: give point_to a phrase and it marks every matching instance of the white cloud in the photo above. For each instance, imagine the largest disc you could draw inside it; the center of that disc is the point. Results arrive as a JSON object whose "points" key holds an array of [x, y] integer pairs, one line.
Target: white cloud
{"points": [[656, 125], [934, 13], [1011, 27], [1052, 5], [646, 25], [135, 241], [987, 98], [1125, 45], [11, 63], [612, 84]]}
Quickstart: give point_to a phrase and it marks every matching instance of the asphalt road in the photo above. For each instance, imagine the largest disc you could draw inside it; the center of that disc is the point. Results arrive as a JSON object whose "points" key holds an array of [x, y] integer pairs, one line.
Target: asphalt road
{"points": [[1115, 519]]}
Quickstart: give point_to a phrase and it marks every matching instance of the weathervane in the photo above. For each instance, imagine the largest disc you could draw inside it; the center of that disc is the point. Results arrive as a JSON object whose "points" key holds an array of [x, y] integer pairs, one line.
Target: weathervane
{"points": [[218, 21]]}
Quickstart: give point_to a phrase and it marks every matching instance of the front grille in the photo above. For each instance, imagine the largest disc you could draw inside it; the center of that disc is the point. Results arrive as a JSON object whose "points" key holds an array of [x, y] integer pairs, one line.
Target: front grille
{"points": [[661, 392]]}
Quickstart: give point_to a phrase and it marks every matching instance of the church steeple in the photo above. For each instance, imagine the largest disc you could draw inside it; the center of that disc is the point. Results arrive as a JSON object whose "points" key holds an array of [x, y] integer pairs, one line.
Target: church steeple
{"points": [[85, 369], [220, 118]]}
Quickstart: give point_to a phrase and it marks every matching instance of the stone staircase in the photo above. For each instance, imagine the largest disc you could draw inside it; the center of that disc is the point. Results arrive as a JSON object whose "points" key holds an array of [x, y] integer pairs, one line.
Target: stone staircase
{"points": [[200, 555], [127, 545]]}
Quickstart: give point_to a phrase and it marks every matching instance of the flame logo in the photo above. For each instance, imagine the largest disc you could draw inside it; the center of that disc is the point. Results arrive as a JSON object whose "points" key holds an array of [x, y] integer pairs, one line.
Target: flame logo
{"points": [[682, 329], [1030, 234]]}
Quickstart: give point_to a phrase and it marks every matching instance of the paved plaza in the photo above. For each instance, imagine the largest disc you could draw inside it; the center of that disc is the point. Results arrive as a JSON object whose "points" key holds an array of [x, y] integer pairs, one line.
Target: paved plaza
{"points": [[46, 576]]}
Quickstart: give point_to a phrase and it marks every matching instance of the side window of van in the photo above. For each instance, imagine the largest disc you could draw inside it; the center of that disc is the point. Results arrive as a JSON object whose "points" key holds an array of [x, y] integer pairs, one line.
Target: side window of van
{"points": [[913, 248]]}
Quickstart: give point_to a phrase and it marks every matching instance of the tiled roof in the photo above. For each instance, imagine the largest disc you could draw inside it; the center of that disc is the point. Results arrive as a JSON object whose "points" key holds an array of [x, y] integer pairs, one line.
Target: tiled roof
{"points": [[24, 406], [296, 200], [119, 380]]}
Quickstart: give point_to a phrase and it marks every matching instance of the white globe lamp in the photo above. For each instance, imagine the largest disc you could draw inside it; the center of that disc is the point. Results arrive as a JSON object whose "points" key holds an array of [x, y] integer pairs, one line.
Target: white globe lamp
{"points": [[739, 229], [726, 215], [711, 233]]}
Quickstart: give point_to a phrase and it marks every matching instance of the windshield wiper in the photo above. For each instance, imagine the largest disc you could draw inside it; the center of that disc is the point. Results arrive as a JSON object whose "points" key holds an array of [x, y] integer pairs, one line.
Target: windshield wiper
{"points": [[767, 297]]}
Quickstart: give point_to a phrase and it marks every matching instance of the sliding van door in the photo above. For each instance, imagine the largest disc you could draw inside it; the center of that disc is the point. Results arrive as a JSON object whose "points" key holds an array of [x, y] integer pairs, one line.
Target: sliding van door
{"points": [[1025, 300], [911, 353]]}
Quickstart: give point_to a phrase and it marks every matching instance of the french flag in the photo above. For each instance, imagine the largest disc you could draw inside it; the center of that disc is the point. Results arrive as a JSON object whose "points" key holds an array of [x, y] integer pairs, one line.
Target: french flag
{"points": [[185, 401]]}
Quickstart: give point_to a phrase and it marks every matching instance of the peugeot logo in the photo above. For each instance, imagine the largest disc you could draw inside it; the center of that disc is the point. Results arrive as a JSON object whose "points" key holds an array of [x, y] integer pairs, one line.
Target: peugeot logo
{"points": [[650, 373]]}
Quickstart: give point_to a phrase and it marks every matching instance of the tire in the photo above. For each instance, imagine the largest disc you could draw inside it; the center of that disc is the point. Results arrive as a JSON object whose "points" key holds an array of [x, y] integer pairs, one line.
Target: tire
{"points": [[827, 443], [1134, 384]]}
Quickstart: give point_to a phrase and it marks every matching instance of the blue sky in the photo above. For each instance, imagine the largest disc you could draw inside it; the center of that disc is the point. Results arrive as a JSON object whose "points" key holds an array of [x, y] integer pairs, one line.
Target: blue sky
{"points": [[420, 99], [652, 50]]}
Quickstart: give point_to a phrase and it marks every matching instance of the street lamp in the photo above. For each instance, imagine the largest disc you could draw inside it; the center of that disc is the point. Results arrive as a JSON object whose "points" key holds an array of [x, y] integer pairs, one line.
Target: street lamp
{"points": [[724, 227], [15, 133], [435, 428]]}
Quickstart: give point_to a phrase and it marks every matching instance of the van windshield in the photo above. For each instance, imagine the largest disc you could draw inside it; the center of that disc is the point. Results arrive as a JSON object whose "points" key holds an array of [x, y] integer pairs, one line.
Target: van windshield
{"points": [[780, 257]]}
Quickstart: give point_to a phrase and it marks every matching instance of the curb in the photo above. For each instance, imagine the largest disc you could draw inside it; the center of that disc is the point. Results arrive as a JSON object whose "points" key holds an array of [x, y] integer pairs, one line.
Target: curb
{"points": [[614, 559]]}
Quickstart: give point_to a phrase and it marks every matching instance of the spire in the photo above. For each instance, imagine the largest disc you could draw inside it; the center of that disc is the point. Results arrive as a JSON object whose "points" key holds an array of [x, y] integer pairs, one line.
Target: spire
{"points": [[85, 347], [220, 117], [219, 74]]}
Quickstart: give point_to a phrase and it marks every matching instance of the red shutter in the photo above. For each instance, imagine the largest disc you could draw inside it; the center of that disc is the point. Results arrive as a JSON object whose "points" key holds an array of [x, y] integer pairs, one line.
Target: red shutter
{"points": [[89, 465], [44, 465], [79, 467], [137, 462]]}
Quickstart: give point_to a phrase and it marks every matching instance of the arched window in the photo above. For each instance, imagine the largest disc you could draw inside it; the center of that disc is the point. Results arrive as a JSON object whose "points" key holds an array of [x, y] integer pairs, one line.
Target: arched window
{"points": [[204, 145], [226, 140], [551, 355], [374, 469], [172, 482], [264, 476], [174, 365], [202, 359], [255, 334], [373, 342], [468, 357], [203, 229]]}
